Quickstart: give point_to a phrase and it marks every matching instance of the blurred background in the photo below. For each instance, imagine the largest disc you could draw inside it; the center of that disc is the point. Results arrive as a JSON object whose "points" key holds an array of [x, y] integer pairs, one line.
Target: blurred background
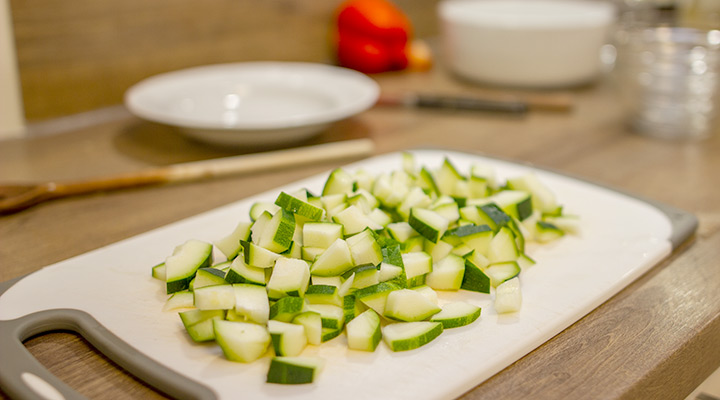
{"points": [[61, 58], [78, 56]]}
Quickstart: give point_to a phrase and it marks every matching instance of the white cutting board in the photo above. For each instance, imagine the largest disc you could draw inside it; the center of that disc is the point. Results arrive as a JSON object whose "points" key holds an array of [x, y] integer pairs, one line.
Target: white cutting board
{"points": [[622, 237]]}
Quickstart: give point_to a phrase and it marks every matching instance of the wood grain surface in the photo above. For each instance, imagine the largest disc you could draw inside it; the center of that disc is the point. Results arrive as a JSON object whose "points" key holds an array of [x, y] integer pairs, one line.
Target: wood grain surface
{"points": [[83, 55], [658, 338]]}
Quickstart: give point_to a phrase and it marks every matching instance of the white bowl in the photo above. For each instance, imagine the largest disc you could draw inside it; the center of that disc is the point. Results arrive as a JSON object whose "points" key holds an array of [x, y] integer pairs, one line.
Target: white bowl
{"points": [[253, 103], [525, 43]]}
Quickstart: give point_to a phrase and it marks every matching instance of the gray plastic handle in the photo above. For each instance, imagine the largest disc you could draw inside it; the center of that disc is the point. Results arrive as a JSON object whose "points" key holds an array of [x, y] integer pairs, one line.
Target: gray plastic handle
{"points": [[684, 224], [23, 377]]}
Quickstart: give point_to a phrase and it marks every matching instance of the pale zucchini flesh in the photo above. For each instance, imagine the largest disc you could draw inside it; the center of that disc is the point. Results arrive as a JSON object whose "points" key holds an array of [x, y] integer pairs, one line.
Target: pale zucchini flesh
{"points": [[207, 277], [323, 294], [508, 297], [457, 314], [199, 323], [158, 272], [216, 297], [409, 305], [370, 257], [180, 268], [321, 234], [334, 261], [251, 302], [240, 272], [312, 322], [180, 300], [428, 223], [501, 272], [290, 277], [447, 274], [230, 244], [241, 341], [287, 339], [363, 332], [404, 336]]}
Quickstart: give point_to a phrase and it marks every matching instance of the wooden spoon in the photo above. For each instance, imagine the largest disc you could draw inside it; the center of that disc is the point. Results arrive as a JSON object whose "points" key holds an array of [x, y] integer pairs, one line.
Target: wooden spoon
{"points": [[16, 197]]}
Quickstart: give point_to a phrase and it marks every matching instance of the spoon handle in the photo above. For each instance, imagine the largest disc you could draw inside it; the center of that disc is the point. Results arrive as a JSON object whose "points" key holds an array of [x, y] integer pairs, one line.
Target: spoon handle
{"points": [[197, 170]]}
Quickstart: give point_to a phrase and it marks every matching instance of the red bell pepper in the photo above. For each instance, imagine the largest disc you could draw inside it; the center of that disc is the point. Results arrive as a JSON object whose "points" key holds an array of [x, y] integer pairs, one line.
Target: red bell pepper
{"points": [[372, 36]]}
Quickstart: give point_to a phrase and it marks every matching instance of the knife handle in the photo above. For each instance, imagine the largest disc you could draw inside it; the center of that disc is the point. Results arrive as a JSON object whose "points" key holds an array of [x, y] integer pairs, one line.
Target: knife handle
{"points": [[471, 104], [24, 377]]}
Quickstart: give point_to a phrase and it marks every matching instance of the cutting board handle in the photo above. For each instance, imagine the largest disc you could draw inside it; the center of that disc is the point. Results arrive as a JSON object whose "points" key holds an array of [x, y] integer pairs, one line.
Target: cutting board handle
{"points": [[23, 377]]}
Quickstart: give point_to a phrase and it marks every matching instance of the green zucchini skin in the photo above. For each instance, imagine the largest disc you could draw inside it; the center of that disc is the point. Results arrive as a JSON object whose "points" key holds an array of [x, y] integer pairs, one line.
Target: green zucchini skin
{"points": [[368, 257]]}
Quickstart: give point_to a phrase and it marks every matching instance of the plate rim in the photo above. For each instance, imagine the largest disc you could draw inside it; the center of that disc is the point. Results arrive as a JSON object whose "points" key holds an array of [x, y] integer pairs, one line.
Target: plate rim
{"points": [[367, 100]]}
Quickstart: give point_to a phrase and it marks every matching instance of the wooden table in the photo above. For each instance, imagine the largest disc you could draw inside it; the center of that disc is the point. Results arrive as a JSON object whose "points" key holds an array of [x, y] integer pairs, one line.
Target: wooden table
{"points": [[658, 338]]}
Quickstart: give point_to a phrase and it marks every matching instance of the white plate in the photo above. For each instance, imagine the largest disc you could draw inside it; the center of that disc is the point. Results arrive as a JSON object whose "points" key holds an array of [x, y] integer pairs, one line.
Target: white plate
{"points": [[253, 103]]}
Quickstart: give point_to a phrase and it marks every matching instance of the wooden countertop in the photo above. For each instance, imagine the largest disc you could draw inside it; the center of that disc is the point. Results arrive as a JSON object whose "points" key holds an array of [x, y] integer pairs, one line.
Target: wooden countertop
{"points": [[658, 338]]}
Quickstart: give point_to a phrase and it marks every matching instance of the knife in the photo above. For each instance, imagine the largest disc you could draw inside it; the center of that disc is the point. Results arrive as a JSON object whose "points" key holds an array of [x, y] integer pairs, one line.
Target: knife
{"points": [[466, 103]]}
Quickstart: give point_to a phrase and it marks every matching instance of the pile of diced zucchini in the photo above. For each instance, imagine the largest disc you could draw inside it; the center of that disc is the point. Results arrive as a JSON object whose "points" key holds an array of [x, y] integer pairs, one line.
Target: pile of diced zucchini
{"points": [[366, 257]]}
